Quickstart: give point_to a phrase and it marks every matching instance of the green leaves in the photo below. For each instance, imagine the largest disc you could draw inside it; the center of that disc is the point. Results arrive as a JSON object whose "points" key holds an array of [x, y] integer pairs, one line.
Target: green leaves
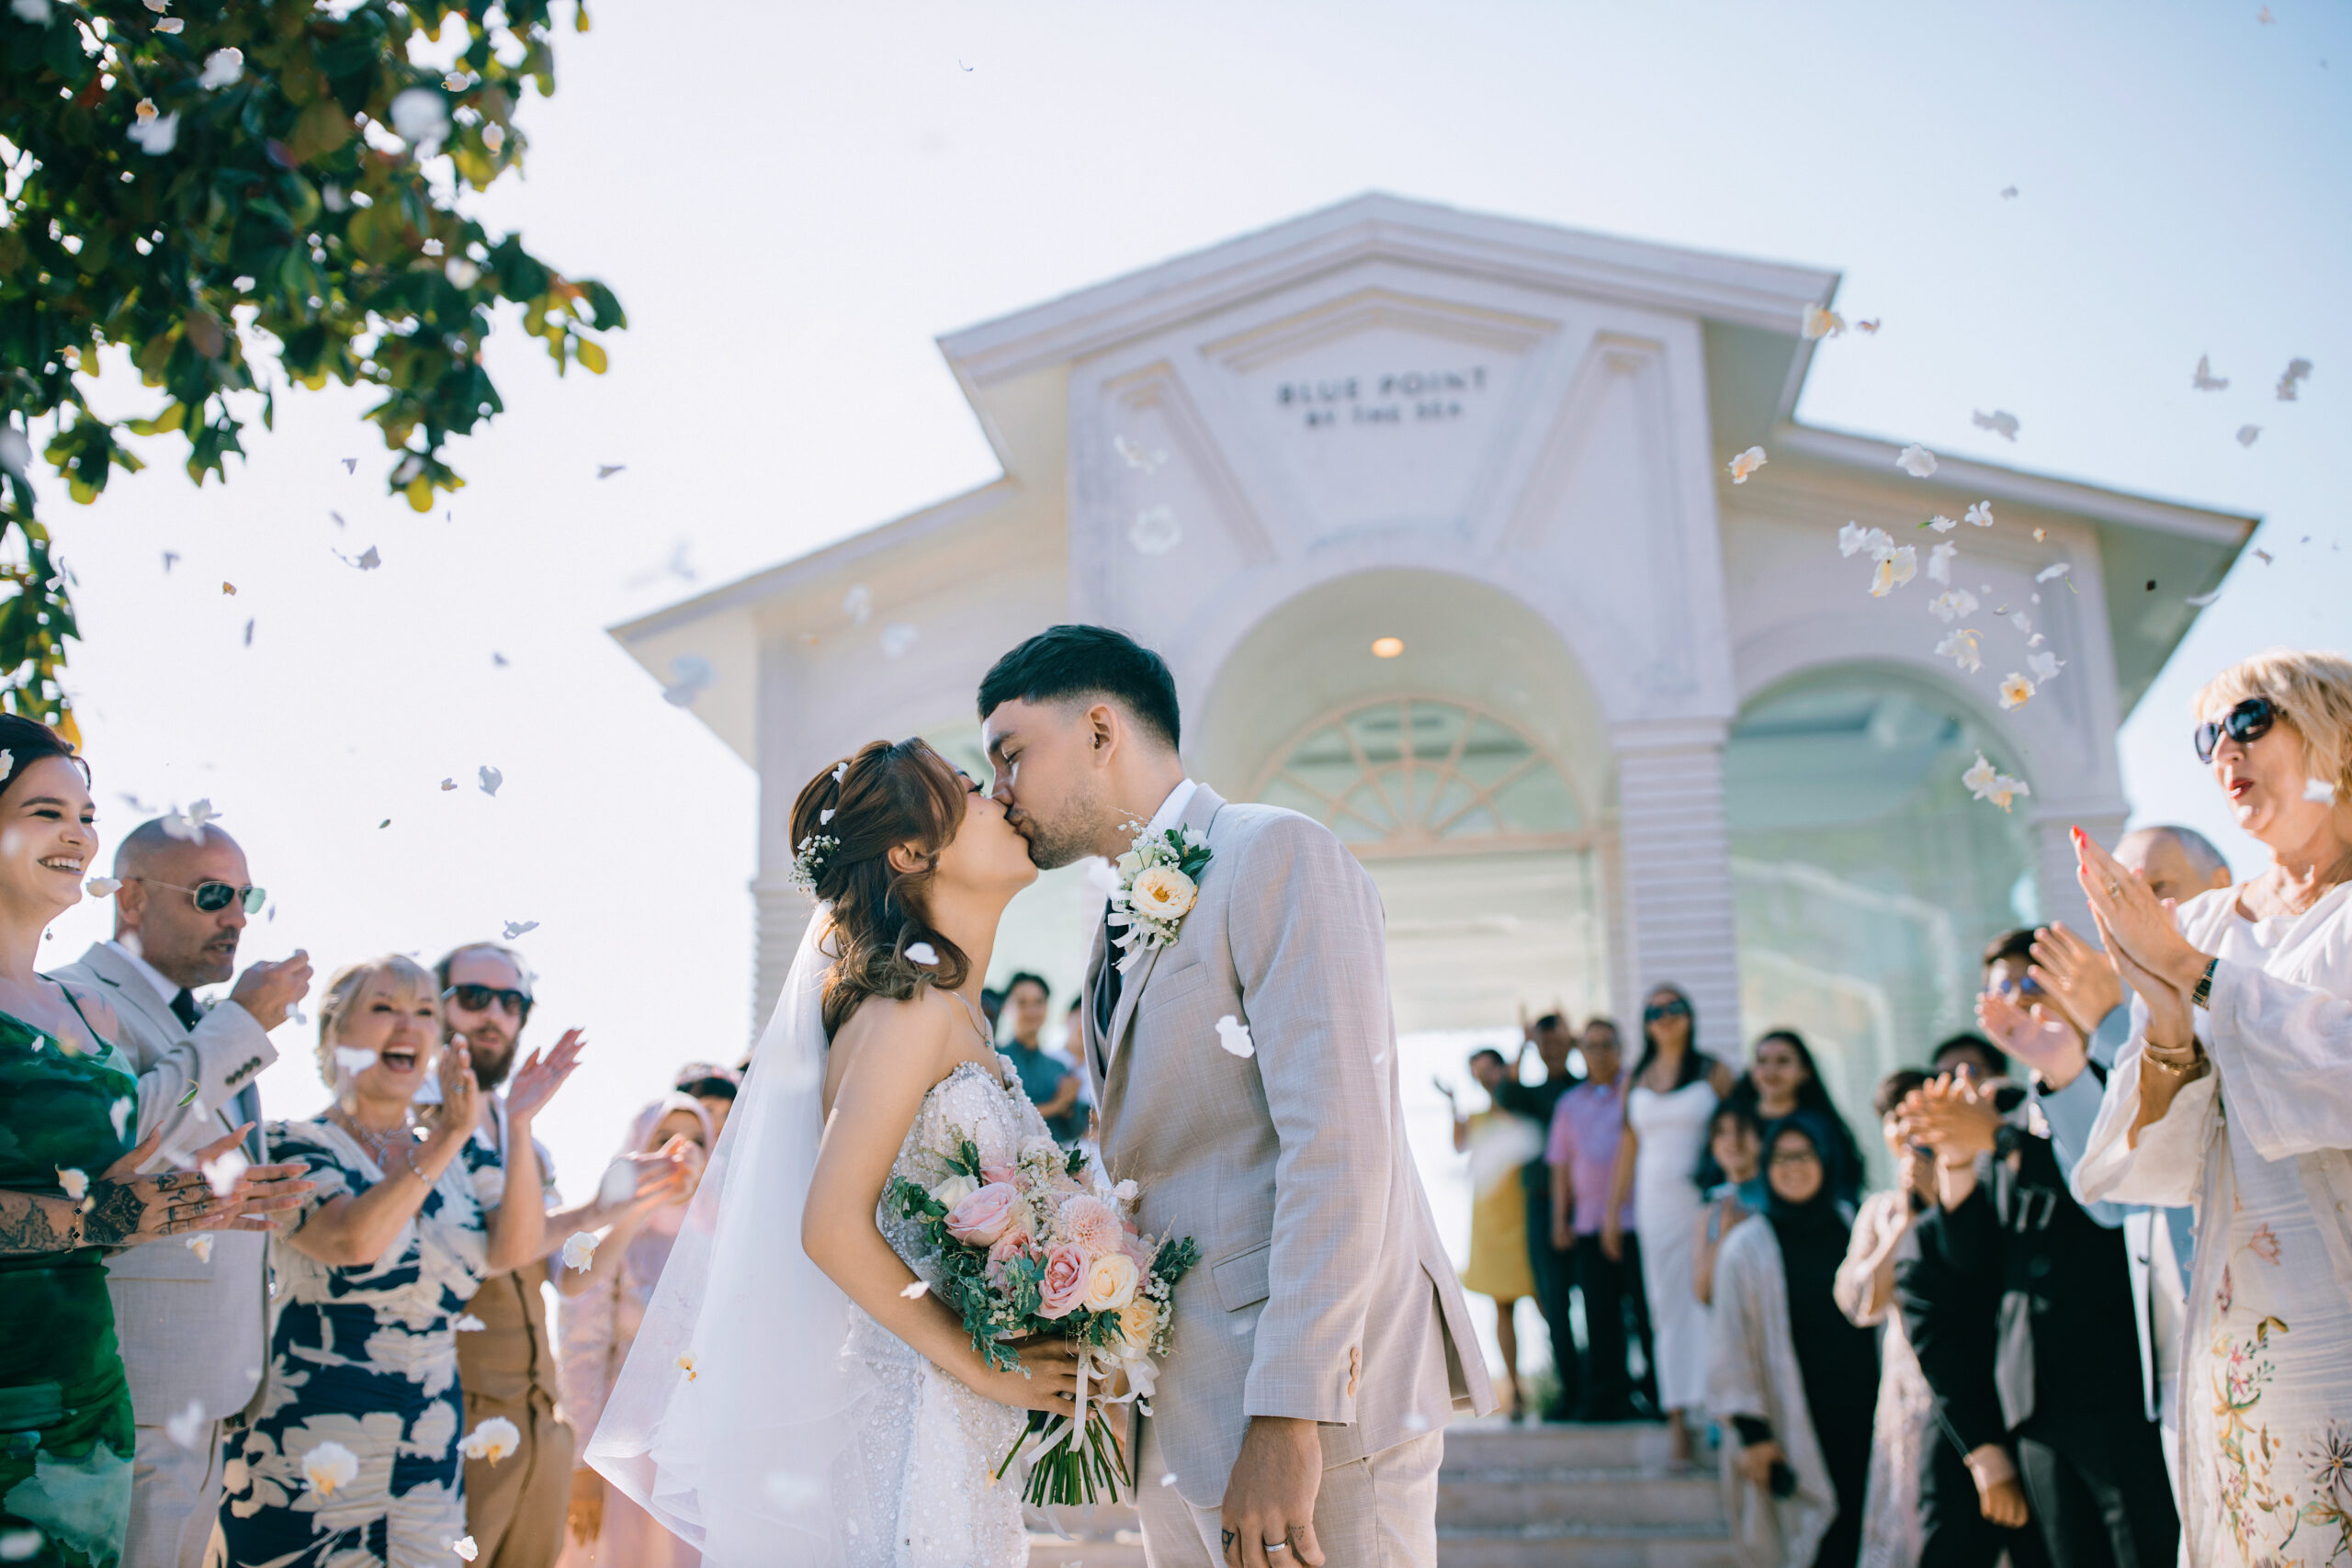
{"points": [[275, 240]]}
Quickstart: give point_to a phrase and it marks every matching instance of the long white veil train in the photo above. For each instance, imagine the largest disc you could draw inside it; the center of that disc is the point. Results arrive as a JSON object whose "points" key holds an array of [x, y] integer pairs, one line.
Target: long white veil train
{"points": [[736, 1401]]}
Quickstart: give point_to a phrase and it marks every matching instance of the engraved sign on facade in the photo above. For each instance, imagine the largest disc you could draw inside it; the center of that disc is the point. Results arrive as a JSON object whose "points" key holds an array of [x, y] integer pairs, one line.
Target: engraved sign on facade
{"points": [[1391, 398]]}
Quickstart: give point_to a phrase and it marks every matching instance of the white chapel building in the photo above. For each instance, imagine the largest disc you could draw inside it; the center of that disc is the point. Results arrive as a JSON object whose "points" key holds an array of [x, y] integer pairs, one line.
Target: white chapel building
{"points": [[1429, 513]]}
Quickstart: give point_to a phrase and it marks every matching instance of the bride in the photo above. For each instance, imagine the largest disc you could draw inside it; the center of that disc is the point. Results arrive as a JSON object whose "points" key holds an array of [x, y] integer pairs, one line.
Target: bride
{"points": [[796, 1395]]}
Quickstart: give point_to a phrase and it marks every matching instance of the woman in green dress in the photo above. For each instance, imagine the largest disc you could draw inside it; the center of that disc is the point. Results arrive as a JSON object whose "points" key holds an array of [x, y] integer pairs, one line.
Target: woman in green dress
{"points": [[69, 1191]]}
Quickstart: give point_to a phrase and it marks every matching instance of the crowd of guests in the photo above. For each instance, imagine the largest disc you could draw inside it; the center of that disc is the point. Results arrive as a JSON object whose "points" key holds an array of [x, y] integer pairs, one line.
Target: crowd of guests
{"points": [[2102, 1312]]}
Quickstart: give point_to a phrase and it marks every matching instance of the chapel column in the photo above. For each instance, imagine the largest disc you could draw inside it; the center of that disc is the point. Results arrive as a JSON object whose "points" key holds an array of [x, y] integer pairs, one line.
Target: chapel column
{"points": [[1674, 844]]}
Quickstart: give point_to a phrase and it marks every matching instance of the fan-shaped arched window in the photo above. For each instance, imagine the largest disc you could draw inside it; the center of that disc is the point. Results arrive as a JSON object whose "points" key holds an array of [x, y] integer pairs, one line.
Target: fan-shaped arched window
{"points": [[1422, 776]]}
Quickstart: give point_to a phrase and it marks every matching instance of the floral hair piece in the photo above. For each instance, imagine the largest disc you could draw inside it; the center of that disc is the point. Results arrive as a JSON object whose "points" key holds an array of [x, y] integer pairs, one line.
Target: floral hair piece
{"points": [[809, 861]]}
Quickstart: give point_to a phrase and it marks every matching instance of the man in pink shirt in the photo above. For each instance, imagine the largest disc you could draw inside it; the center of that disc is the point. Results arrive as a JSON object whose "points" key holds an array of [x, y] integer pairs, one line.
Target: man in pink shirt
{"points": [[1582, 1153]]}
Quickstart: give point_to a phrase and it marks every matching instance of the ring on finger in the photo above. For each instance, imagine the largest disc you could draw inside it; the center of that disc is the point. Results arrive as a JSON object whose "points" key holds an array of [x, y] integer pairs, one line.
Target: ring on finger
{"points": [[2114, 889]]}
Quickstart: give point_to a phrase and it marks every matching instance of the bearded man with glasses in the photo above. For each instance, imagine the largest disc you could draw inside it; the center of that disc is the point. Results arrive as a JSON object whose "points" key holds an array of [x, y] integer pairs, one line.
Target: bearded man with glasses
{"points": [[191, 1319], [515, 1506]]}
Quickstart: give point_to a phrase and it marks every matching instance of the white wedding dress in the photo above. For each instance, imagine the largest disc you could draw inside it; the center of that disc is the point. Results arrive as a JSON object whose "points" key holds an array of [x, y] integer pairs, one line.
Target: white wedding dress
{"points": [[764, 1417]]}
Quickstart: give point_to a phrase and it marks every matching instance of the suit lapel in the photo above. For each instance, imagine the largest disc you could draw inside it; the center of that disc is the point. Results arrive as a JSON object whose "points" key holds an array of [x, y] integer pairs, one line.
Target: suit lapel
{"points": [[1198, 814], [124, 987]]}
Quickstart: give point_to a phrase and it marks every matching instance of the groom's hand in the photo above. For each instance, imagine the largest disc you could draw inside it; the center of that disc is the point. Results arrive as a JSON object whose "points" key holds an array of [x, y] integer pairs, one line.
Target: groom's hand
{"points": [[1271, 1498]]}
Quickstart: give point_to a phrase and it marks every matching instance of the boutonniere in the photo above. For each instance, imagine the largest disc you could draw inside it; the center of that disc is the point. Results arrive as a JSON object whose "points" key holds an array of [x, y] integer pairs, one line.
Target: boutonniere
{"points": [[1159, 884]]}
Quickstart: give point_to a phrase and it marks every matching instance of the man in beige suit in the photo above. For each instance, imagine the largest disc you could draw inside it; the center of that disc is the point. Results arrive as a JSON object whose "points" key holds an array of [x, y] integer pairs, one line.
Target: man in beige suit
{"points": [[192, 1320], [1322, 1343]]}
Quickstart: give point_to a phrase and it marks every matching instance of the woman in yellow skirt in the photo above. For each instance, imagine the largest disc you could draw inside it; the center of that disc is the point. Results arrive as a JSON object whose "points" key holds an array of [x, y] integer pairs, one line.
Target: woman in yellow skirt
{"points": [[1499, 1143]]}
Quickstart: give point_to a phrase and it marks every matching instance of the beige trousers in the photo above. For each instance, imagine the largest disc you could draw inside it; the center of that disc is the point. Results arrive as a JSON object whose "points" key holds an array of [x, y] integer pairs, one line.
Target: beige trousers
{"points": [[1376, 1512], [175, 1499], [514, 1509]]}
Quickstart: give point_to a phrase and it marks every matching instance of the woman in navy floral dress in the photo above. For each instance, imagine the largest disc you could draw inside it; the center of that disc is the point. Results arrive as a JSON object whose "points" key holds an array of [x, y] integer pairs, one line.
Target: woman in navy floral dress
{"points": [[371, 1282]]}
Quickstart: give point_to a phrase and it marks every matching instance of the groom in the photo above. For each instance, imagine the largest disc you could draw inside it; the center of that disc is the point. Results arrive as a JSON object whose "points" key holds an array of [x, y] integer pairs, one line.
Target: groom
{"points": [[1322, 1343]]}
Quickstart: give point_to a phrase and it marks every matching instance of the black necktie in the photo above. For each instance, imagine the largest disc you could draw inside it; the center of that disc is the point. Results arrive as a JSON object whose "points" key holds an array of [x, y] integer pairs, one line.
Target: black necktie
{"points": [[1106, 989], [184, 1008]]}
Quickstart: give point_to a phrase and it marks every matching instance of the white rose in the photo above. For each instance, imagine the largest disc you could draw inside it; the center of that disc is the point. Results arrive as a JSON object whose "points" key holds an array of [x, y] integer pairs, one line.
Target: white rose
{"points": [[955, 1189], [1129, 864], [1110, 1282], [1042, 1151], [1163, 893]]}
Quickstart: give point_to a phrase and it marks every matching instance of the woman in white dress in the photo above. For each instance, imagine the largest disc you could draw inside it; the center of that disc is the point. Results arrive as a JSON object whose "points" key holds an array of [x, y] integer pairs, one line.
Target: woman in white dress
{"points": [[793, 1395], [2234, 1093], [1675, 1089]]}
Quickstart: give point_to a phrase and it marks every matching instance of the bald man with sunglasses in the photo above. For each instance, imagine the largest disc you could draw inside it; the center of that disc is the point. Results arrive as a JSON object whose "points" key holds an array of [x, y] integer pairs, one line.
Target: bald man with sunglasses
{"points": [[192, 1323]]}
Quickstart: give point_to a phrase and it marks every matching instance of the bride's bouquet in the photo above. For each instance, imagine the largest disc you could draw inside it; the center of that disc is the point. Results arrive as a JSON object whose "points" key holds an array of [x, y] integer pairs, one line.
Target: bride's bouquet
{"points": [[1048, 1245]]}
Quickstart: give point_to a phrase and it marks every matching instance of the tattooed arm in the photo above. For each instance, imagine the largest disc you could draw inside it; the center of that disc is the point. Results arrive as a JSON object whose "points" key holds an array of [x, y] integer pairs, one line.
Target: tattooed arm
{"points": [[124, 1209], [32, 1223]]}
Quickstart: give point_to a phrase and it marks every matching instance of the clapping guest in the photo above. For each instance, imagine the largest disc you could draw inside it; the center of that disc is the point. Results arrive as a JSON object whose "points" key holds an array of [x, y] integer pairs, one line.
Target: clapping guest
{"points": [[1904, 1426], [1781, 1080], [1792, 1377], [370, 1282], [70, 1191], [603, 1307], [1497, 1141], [2233, 1092], [1582, 1151], [1736, 1163], [191, 1322], [1670, 1098]]}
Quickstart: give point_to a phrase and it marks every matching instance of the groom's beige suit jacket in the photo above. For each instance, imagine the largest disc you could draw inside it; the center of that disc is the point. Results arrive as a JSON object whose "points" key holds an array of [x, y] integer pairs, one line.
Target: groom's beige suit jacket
{"points": [[1322, 1293]]}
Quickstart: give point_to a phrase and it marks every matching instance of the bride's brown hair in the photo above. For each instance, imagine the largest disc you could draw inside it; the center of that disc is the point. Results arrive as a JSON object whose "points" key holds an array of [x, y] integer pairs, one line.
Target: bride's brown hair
{"points": [[846, 822]]}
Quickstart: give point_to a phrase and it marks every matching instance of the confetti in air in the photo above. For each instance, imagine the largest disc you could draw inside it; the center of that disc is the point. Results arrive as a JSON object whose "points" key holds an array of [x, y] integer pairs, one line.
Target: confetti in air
{"points": [[2201, 600], [2009, 193], [1820, 322], [202, 1246], [97, 887], [1915, 460], [897, 639], [328, 1466], [2320, 791], [492, 1440], [858, 604], [2204, 380], [687, 1365], [156, 134], [490, 778], [1869, 326], [1980, 514], [447, 785], [75, 1184], [606, 470], [2247, 433], [350, 465], [2298, 372], [917, 1290], [1234, 1035], [353, 1059], [1155, 531], [580, 1251], [1136, 456], [922, 953], [464, 1547], [1746, 463], [223, 1172], [470, 1324], [221, 69], [1986, 783], [187, 1427], [2000, 422], [2016, 690], [518, 928], [1962, 649]]}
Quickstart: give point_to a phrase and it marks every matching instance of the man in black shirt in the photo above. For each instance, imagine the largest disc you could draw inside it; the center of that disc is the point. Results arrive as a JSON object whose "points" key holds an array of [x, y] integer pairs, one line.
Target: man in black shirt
{"points": [[1552, 1037]]}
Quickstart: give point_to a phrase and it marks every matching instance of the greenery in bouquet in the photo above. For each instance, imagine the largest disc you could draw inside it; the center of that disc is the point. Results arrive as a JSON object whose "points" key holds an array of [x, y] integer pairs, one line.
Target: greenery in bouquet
{"points": [[1046, 1247]]}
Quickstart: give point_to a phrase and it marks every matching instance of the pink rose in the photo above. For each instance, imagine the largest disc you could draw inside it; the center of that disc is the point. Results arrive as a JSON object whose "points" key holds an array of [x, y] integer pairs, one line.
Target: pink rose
{"points": [[980, 1219], [1014, 1243], [1064, 1286], [1093, 1223], [1007, 1173]]}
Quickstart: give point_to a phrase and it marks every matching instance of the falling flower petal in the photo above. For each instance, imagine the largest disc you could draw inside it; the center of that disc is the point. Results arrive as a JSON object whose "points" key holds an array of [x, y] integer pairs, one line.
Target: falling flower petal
{"points": [[494, 1439], [447, 785], [690, 675], [1915, 460], [461, 273], [2201, 600], [16, 451], [2247, 433], [1940, 561], [1962, 648], [97, 887], [37, 12], [917, 1290], [465, 1548], [1234, 1035], [420, 117], [2298, 371], [2319, 790], [2016, 690], [1155, 531], [2204, 380], [1952, 605], [2052, 572], [222, 1172], [2045, 666], [1986, 783], [897, 639], [156, 134], [202, 1246], [517, 928], [470, 1324], [604, 471], [221, 67], [1896, 566], [2000, 422], [2009, 193], [922, 953], [74, 1183], [1871, 325], [189, 825], [580, 1251], [1136, 457], [1940, 523], [328, 1466], [1820, 322], [2263, 555], [2021, 620], [1854, 538], [687, 1365], [1980, 514], [1746, 463], [489, 778], [858, 604], [187, 1427], [353, 1059]]}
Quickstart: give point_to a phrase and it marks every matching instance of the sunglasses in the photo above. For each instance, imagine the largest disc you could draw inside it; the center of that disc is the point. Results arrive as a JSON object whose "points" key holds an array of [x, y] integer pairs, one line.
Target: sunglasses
{"points": [[478, 999], [214, 897], [1676, 1008], [2245, 724], [2019, 985], [1795, 1157]]}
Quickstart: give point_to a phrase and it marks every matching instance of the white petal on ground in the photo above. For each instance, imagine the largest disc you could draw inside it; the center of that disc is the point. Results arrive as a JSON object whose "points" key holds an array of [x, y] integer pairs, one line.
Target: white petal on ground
{"points": [[2247, 433], [1915, 460], [2204, 380], [922, 953], [1962, 647], [897, 637], [221, 67], [1155, 531], [2000, 422], [1234, 1035], [1746, 463], [1940, 561], [156, 134], [2044, 666], [421, 118], [328, 1466], [579, 1249], [858, 604], [187, 1427], [490, 778], [1820, 322], [2016, 690], [74, 1183], [2298, 371], [224, 1170], [2053, 572], [1980, 514]]}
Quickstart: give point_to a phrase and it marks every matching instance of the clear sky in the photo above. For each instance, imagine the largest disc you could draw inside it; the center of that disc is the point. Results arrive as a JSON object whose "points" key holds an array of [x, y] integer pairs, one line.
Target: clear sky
{"points": [[793, 200]]}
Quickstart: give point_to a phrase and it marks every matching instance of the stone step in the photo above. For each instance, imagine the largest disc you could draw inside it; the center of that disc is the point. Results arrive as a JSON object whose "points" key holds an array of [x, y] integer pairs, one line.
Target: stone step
{"points": [[1513, 1499], [1491, 1444], [1576, 1547], [1045, 1552]]}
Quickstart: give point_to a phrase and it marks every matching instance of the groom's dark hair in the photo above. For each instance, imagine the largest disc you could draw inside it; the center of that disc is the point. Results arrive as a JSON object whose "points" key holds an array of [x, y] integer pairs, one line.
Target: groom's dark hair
{"points": [[1088, 661]]}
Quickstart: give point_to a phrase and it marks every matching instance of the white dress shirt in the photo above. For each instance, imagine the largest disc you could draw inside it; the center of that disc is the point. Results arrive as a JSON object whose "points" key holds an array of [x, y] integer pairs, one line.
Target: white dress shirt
{"points": [[1172, 810]]}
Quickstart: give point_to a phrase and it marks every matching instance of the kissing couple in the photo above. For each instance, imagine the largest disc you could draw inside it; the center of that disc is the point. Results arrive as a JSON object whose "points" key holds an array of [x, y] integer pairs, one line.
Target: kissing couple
{"points": [[800, 1394]]}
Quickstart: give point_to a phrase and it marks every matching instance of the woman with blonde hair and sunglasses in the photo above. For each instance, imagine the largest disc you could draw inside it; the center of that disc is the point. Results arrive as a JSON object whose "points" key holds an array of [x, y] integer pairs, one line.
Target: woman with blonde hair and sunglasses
{"points": [[2234, 1093]]}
